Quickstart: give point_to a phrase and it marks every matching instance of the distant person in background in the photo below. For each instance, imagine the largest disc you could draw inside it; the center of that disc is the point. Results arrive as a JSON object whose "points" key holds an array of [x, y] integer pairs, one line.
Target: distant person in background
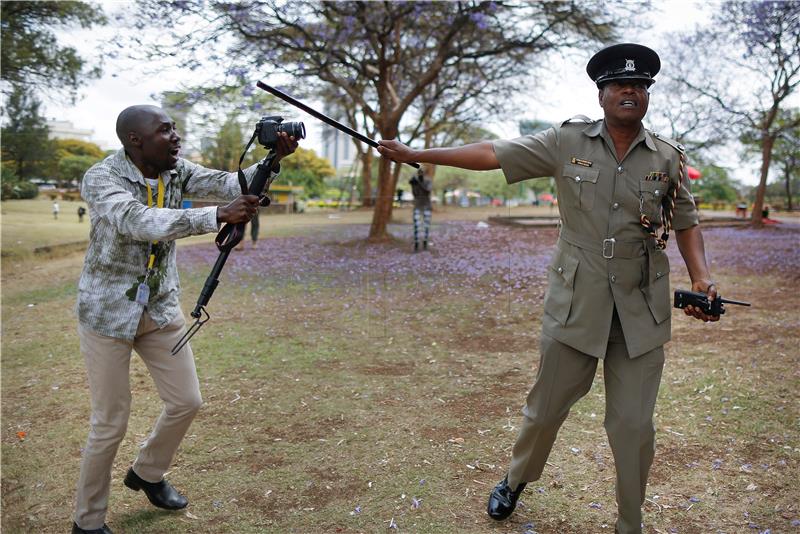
{"points": [[741, 210], [421, 188], [81, 213], [254, 229], [56, 209]]}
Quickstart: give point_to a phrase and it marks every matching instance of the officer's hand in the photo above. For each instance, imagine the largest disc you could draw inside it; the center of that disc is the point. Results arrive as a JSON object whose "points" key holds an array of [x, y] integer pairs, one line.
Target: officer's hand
{"points": [[396, 151], [709, 288], [286, 145], [240, 210]]}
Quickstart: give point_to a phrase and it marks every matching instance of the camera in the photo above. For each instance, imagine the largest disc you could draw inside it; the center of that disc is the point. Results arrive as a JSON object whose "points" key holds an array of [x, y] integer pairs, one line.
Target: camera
{"points": [[269, 127]]}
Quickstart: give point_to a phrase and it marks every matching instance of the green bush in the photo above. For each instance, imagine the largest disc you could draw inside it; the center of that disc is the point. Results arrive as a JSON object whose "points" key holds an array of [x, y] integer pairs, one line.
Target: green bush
{"points": [[15, 190]]}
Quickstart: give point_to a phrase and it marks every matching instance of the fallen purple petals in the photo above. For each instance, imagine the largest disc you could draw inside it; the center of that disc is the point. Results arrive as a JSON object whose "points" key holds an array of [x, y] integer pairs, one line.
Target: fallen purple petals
{"points": [[595, 505], [415, 503], [716, 464], [694, 499], [392, 524]]}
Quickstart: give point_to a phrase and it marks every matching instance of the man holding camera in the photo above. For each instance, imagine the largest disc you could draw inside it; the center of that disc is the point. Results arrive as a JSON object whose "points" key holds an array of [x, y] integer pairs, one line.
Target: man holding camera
{"points": [[620, 188], [128, 299]]}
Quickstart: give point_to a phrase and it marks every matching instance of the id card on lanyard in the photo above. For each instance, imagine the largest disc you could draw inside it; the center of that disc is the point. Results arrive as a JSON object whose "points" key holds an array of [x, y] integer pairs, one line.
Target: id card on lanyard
{"points": [[143, 291]]}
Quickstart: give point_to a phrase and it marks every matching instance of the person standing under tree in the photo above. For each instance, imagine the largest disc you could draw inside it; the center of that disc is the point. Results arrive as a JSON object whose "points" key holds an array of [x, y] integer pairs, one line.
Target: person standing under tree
{"points": [[56, 209], [421, 188], [621, 189], [128, 299]]}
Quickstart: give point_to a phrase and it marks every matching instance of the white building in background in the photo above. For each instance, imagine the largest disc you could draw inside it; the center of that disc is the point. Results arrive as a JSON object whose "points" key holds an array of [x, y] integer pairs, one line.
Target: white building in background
{"points": [[338, 148], [67, 130]]}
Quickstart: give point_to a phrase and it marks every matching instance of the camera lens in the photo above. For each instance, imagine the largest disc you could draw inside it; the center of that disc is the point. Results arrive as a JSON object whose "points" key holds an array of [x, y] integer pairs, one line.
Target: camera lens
{"points": [[294, 129]]}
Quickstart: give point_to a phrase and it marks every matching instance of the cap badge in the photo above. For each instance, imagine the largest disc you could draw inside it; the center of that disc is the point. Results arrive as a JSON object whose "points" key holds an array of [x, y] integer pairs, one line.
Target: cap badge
{"points": [[629, 66]]}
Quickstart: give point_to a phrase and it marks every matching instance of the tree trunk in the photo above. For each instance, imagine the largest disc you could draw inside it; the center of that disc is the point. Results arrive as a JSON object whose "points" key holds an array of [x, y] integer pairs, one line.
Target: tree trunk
{"points": [[382, 212], [766, 155], [366, 179]]}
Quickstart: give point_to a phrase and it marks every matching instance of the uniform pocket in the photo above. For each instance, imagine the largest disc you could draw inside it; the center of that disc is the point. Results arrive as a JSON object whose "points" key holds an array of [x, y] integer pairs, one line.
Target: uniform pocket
{"points": [[655, 286], [650, 194], [561, 285], [582, 183]]}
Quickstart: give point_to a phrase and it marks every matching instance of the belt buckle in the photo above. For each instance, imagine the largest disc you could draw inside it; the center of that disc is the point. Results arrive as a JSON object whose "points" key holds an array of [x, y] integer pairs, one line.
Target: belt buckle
{"points": [[608, 248]]}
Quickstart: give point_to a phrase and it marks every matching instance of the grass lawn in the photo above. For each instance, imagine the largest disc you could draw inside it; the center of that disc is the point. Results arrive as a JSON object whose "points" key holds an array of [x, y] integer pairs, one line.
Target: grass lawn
{"points": [[350, 387]]}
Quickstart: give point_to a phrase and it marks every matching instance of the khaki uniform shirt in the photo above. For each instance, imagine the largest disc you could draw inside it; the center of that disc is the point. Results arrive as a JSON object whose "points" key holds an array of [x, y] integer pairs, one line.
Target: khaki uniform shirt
{"points": [[604, 258]]}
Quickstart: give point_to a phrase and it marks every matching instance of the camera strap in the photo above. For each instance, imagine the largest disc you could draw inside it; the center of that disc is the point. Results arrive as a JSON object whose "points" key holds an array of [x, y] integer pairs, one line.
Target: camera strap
{"points": [[232, 234], [242, 180]]}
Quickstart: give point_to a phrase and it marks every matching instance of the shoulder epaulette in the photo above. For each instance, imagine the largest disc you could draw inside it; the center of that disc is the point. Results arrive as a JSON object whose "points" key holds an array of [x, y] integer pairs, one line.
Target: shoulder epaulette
{"points": [[671, 142], [583, 119]]}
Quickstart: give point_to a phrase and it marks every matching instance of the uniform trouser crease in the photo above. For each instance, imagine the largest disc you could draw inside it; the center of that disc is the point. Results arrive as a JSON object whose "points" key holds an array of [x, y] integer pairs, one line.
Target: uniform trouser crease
{"points": [[565, 375]]}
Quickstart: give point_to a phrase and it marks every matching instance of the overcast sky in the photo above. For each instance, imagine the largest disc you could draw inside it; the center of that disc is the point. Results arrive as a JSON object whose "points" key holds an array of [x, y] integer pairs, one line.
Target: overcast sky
{"points": [[123, 83]]}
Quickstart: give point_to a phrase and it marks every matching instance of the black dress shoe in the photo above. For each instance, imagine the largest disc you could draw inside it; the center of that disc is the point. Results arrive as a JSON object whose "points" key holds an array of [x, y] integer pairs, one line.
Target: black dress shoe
{"points": [[502, 500], [160, 494], [102, 530]]}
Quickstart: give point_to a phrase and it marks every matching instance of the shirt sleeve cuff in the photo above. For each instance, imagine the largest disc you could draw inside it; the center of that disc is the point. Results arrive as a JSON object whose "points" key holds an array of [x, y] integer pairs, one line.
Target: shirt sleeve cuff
{"points": [[205, 220]]}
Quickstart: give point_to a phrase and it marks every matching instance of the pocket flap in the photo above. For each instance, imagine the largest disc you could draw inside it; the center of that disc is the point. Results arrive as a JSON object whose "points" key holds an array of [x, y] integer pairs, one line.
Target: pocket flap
{"points": [[580, 173], [565, 266], [653, 186]]}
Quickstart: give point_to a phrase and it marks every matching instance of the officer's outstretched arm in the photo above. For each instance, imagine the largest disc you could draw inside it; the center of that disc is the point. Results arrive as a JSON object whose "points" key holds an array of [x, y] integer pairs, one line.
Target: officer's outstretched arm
{"points": [[692, 248], [476, 156]]}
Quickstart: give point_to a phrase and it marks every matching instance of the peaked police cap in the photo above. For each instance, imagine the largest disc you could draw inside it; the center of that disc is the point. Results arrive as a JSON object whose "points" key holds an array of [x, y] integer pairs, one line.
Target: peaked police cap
{"points": [[625, 61]]}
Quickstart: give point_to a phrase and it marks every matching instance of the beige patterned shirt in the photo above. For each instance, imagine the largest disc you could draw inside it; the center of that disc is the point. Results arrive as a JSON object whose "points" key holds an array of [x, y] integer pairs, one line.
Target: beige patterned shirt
{"points": [[123, 230]]}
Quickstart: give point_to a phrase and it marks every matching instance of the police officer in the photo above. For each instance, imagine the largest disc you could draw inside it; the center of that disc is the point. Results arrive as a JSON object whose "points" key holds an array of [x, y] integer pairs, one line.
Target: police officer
{"points": [[621, 189]]}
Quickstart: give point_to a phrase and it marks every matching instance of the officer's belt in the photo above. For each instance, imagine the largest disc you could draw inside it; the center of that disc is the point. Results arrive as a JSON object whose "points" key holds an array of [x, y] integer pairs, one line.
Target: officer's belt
{"points": [[608, 248]]}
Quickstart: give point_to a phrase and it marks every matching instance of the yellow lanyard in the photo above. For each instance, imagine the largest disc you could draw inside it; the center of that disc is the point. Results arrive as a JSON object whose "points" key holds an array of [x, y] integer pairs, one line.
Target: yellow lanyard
{"points": [[160, 204]]}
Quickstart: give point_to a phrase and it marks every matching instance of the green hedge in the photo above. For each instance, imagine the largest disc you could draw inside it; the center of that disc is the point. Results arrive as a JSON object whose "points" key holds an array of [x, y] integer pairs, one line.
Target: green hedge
{"points": [[15, 190]]}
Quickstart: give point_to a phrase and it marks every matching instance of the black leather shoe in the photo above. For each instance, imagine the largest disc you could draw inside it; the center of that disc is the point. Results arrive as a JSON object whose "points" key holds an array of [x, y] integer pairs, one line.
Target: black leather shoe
{"points": [[102, 530], [160, 494], [502, 500]]}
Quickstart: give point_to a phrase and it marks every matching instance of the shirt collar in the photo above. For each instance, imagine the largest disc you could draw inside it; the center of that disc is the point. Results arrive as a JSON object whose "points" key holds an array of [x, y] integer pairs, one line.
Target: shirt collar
{"points": [[599, 129], [132, 172]]}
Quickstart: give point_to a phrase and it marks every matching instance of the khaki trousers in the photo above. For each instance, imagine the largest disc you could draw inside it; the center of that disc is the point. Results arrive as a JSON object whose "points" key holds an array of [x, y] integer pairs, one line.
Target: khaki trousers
{"points": [[108, 367], [565, 375]]}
